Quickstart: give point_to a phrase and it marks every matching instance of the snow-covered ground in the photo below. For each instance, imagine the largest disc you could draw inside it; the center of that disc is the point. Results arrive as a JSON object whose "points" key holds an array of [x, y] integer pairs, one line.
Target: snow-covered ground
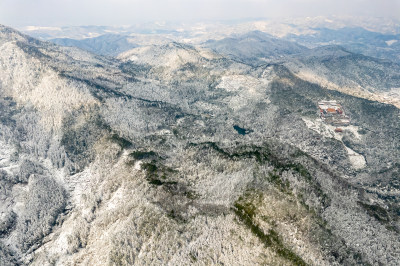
{"points": [[245, 89], [357, 160]]}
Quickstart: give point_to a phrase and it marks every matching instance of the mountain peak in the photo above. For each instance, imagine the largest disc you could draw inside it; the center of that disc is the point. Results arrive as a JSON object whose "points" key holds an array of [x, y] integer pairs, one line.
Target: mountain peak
{"points": [[257, 35]]}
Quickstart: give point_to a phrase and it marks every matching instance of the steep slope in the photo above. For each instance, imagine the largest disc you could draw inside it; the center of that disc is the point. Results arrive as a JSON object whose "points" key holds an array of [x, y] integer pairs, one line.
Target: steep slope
{"points": [[42, 97], [176, 155]]}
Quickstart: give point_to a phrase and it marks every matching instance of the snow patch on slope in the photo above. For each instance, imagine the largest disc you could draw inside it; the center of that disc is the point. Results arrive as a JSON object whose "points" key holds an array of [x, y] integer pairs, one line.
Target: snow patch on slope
{"points": [[245, 89], [357, 160], [389, 43]]}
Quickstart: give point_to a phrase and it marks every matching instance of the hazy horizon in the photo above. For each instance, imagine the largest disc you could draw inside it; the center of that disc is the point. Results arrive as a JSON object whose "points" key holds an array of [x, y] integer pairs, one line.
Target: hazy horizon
{"points": [[19, 13]]}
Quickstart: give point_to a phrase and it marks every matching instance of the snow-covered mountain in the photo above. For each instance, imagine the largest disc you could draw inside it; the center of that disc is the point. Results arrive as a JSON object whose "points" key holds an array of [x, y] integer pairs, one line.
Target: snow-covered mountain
{"points": [[177, 154], [338, 69], [108, 44], [357, 40], [255, 48]]}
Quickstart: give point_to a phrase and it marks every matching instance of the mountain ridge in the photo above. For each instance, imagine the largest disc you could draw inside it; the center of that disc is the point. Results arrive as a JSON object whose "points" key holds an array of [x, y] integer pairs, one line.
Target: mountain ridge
{"points": [[141, 148]]}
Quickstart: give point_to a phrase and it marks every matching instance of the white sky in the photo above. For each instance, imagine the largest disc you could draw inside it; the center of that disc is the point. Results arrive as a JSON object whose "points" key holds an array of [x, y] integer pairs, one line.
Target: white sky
{"points": [[19, 13]]}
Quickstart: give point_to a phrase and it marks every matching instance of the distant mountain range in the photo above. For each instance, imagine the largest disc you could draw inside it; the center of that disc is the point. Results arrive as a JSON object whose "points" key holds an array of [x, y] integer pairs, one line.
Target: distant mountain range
{"points": [[357, 40], [107, 44], [255, 47]]}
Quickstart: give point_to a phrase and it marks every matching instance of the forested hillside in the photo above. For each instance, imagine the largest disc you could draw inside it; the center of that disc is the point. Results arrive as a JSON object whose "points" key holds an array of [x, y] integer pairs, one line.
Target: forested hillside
{"points": [[180, 154]]}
